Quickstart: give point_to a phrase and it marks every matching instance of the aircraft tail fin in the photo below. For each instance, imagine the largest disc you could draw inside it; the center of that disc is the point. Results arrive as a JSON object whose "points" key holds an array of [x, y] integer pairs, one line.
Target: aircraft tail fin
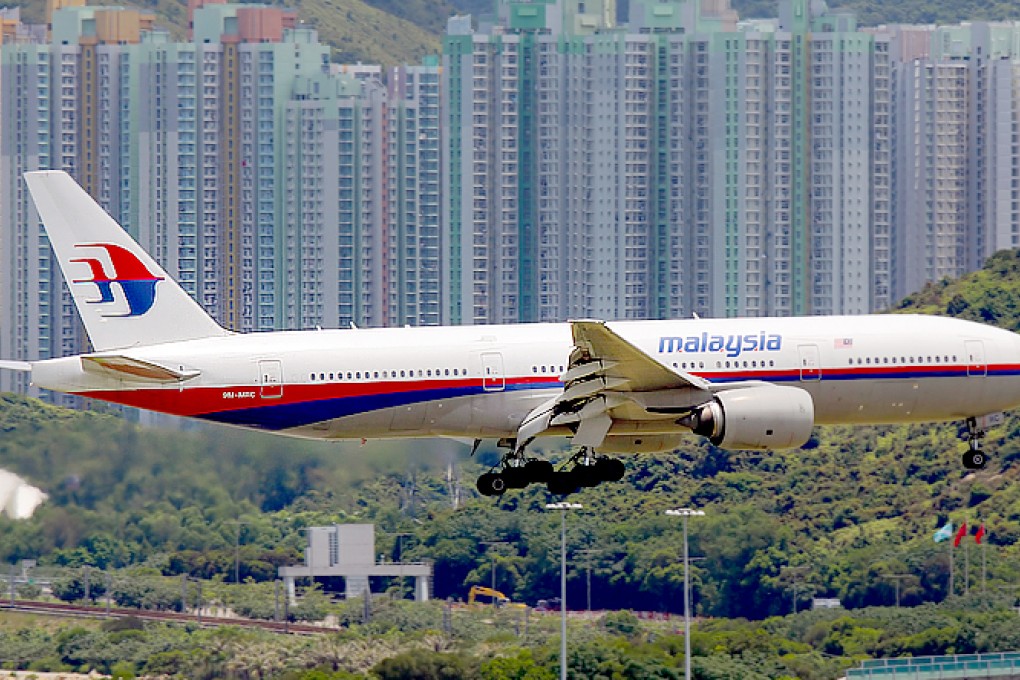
{"points": [[124, 298]]}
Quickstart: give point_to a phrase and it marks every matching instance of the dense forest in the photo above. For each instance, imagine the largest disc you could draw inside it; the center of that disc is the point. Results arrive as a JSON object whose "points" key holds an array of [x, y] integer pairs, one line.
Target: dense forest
{"points": [[850, 516], [831, 520]]}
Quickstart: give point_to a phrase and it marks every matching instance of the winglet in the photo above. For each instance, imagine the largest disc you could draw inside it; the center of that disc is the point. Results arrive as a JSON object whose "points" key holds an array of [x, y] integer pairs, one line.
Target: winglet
{"points": [[124, 298]]}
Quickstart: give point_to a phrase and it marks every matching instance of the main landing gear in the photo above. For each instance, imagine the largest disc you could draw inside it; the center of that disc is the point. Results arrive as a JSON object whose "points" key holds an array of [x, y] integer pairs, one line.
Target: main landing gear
{"points": [[518, 472], [974, 458]]}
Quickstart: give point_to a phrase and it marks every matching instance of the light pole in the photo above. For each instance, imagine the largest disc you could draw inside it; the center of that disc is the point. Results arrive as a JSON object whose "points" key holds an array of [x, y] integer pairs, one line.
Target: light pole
{"points": [[686, 513], [563, 507]]}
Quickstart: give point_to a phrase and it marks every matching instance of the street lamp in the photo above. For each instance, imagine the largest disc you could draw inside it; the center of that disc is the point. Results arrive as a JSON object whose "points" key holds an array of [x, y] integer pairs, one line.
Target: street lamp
{"points": [[563, 507], [686, 513]]}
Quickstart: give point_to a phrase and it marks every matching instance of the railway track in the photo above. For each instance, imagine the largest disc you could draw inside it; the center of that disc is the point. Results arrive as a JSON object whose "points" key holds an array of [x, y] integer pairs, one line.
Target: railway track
{"points": [[78, 611]]}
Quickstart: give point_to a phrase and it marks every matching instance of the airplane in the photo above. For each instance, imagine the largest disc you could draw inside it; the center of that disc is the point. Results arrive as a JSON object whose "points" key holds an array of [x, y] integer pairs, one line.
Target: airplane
{"points": [[634, 386]]}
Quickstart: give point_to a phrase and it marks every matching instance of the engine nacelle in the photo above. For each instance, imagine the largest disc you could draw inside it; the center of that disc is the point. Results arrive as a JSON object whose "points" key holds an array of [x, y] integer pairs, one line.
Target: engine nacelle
{"points": [[766, 417]]}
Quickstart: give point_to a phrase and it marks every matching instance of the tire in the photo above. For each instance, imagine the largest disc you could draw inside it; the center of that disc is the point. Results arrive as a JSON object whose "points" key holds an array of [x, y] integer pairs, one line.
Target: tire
{"points": [[516, 477], [610, 469], [490, 484], [538, 471], [587, 475], [975, 460], [562, 483]]}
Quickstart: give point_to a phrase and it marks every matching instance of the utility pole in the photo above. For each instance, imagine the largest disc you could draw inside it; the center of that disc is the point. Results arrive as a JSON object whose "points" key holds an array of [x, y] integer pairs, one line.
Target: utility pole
{"points": [[588, 553], [896, 579], [795, 578], [237, 548], [490, 545]]}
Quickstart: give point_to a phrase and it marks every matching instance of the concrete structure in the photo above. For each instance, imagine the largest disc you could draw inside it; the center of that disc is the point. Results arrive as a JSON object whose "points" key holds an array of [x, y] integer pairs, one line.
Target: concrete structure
{"points": [[348, 550]]}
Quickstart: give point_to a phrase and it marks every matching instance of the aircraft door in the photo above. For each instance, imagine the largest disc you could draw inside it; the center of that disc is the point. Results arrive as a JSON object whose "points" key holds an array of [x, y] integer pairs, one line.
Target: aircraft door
{"points": [[976, 364], [810, 363], [270, 379], [493, 378]]}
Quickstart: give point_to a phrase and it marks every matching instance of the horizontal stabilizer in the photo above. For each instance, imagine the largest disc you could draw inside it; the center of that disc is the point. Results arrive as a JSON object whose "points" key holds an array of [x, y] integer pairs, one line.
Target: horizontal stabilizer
{"points": [[135, 369], [15, 365]]}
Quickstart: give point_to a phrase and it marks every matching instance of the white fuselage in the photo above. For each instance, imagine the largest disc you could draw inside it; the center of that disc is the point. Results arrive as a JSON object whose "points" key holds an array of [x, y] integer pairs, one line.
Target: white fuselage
{"points": [[481, 381]]}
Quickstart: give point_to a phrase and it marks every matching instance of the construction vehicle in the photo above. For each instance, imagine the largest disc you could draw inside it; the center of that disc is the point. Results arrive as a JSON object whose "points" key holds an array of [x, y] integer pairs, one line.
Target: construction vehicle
{"points": [[496, 597]]}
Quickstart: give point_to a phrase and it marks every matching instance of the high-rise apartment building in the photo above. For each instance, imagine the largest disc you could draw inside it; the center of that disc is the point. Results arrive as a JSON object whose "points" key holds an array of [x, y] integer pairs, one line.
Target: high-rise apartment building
{"points": [[261, 177], [682, 162]]}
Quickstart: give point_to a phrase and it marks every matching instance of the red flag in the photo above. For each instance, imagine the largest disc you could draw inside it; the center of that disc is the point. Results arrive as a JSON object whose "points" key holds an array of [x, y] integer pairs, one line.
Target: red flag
{"points": [[980, 533], [959, 535]]}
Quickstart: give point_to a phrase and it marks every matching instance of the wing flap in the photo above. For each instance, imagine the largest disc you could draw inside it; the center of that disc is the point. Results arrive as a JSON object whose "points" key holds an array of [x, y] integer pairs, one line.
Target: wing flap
{"points": [[135, 369], [609, 379]]}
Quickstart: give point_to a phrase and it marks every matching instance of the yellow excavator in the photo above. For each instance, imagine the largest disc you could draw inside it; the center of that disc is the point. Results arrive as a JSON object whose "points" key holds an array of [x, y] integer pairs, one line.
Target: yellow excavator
{"points": [[494, 596]]}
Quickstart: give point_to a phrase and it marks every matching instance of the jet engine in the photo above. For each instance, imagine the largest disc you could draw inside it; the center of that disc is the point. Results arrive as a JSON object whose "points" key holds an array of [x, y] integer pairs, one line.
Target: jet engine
{"points": [[766, 417]]}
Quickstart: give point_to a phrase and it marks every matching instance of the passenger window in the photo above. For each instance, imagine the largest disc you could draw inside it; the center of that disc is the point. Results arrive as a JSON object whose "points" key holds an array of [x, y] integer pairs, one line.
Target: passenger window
{"points": [[331, 376], [358, 375]]}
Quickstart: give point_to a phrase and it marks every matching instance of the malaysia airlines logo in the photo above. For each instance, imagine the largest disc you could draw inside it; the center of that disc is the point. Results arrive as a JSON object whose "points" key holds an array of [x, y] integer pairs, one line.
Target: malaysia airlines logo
{"points": [[128, 272]]}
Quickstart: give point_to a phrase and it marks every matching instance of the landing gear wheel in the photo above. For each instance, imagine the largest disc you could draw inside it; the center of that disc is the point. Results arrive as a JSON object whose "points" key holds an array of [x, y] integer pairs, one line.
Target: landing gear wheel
{"points": [[974, 460], [516, 477], [562, 483], [538, 471], [491, 484], [610, 469], [587, 475]]}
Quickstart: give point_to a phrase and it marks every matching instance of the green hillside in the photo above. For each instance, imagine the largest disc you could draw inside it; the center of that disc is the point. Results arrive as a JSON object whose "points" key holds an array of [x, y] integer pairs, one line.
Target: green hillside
{"points": [[838, 518], [854, 505]]}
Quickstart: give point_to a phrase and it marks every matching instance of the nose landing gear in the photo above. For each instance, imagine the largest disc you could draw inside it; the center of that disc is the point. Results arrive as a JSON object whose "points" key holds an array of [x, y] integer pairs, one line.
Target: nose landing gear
{"points": [[974, 458]]}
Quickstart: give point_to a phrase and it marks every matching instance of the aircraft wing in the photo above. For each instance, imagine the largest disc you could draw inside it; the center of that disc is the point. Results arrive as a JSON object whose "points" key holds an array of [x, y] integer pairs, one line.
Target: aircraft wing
{"points": [[622, 361], [608, 379]]}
